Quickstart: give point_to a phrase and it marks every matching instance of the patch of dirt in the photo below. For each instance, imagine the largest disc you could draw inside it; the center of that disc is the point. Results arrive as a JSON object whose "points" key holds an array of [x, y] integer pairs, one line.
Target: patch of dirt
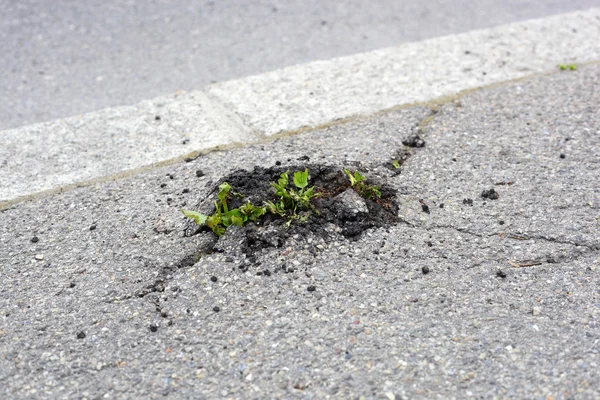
{"points": [[341, 210], [490, 194], [414, 141]]}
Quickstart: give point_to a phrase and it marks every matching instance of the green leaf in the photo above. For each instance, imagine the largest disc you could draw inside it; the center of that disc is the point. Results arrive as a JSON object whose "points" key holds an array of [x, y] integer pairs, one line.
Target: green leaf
{"points": [[228, 218], [219, 230], [570, 67], [217, 208], [301, 179], [309, 193], [396, 164], [224, 189], [196, 216], [257, 213], [283, 180], [303, 217], [358, 177], [376, 191], [247, 208], [213, 221], [237, 220], [275, 208], [350, 177], [281, 185]]}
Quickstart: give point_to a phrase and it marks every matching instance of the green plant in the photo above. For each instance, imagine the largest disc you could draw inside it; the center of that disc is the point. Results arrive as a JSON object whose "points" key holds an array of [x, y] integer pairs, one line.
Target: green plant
{"points": [[223, 217], [292, 203], [357, 181], [570, 67], [396, 164]]}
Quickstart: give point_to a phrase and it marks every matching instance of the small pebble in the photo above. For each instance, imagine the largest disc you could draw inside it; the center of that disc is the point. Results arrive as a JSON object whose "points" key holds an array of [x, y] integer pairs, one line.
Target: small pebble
{"points": [[35, 239], [39, 257], [213, 278], [311, 288], [81, 335], [92, 227], [562, 155], [216, 309], [153, 328], [501, 274], [425, 270], [199, 173]]}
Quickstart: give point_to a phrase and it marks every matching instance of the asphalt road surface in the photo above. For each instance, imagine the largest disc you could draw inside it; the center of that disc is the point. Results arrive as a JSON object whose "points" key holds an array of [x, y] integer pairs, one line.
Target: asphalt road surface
{"points": [[465, 296], [63, 58]]}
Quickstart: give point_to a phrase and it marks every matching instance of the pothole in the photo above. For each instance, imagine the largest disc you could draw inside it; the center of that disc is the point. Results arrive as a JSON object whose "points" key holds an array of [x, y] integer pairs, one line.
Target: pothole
{"points": [[339, 209]]}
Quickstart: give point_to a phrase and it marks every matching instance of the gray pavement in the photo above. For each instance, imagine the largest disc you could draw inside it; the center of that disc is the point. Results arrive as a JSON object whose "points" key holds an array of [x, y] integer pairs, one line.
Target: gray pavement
{"points": [[101, 297], [62, 58]]}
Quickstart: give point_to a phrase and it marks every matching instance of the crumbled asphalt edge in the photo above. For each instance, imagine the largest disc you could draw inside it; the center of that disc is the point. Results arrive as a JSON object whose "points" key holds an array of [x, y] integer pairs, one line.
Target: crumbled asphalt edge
{"points": [[246, 243], [254, 186]]}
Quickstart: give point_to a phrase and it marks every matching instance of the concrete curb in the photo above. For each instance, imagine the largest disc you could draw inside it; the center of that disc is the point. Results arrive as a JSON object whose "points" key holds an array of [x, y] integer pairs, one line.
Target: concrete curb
{"points": [[315, 93], [65, 152]]}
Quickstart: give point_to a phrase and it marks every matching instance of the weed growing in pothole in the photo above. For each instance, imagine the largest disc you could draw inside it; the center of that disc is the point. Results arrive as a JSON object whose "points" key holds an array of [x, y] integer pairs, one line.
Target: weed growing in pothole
{"points": [[291, 199], [357, 181], [223, 217], [321, 207], [293, 204]]}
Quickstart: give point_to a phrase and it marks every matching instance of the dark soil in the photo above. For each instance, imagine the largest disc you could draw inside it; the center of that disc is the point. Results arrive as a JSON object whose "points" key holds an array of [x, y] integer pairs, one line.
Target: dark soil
{"points": [[490, 194], [329, 182], [424, 206], [414, 141]]}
